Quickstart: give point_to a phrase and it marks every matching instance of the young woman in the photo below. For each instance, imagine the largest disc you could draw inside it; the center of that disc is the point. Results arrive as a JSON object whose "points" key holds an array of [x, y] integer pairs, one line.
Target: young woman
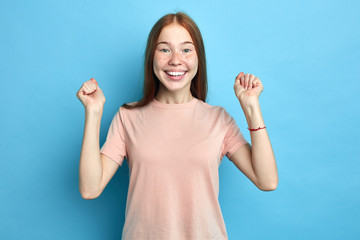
{"points": [[174, 141]]}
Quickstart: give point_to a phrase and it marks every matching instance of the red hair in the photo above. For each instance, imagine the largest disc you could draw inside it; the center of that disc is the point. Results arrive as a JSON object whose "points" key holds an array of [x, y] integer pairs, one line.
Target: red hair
{"points": [[198, 86]]}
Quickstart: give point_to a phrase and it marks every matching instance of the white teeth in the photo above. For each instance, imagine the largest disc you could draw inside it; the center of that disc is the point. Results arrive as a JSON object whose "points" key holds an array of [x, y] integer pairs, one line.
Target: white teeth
{"points": [[176, 73]]}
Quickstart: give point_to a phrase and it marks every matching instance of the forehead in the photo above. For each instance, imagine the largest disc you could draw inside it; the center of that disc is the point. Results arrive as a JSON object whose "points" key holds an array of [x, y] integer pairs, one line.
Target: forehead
{"points": [[174, 34]]}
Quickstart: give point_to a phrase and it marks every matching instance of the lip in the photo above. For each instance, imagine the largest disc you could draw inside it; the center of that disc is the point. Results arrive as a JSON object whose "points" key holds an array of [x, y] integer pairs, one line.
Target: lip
{"points": [[175, 77], [176, 70]]}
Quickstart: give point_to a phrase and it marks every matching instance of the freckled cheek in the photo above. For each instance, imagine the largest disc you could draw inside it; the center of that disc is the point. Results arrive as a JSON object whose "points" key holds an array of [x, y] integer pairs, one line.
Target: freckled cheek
{"points": [[191, 61], [159, 62], [161, 59]]}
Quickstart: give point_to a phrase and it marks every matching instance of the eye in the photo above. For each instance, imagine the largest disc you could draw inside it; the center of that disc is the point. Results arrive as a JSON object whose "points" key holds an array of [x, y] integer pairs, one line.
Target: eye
{"points": [[164, 50], [187, 50]]}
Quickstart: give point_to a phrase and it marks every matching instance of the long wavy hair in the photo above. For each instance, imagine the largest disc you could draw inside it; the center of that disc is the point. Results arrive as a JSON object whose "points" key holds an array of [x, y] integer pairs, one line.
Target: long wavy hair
{"points": [[199, 84]]}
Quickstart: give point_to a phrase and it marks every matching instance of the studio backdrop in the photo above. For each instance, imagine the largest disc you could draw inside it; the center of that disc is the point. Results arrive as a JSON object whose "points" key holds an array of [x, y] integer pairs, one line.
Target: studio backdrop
{"points": [[306, 53]]}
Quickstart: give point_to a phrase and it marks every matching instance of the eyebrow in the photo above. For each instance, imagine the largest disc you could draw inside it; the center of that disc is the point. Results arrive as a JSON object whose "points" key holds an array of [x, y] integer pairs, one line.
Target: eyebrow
{"points": [[169, 44]]}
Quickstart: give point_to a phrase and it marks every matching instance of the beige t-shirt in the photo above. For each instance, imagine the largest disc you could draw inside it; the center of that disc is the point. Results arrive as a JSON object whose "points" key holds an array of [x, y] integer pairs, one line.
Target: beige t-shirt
{"points": [[173, 152]]}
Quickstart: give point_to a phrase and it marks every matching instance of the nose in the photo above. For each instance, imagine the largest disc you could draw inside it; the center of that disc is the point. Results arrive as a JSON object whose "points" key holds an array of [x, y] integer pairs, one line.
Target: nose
{"points": [[175, 58]]}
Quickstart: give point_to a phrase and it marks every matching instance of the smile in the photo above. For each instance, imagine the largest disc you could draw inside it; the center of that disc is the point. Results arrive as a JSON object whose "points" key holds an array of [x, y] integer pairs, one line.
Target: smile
{"points": [[175, 75]]}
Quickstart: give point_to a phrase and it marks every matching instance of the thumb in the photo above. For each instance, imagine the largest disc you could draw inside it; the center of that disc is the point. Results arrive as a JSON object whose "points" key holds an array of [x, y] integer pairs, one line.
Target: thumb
{"points": [[92, 79]]}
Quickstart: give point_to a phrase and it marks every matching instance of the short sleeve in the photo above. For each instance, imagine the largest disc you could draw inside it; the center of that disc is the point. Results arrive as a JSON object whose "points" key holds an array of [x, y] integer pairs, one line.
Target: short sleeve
{"points": [[114, 146], [234, 138]]}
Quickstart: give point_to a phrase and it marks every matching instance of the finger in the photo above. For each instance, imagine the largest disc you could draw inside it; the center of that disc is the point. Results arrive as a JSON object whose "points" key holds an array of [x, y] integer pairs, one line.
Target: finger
{"points": [[92, 85], [242, 81], [92, 88], [251, 79], [256, 82], [86, 89], [89, 86], [238, 77], [246, 81]]}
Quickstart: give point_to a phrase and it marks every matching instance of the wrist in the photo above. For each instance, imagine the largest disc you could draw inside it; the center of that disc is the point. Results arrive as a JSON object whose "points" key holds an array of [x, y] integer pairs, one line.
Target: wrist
{"points": [[253, 115], [94, 111], [251, 108]]}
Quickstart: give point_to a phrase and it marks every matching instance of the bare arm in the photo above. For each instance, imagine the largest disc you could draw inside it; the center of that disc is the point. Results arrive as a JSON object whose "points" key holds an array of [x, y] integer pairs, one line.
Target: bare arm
{"points": [[257, 162], [95, 170], [262, 155], [90, 169]]}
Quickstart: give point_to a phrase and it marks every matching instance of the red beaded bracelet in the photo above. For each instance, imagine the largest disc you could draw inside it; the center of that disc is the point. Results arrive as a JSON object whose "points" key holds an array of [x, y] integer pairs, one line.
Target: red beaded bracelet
{"points": [[256, 129]]}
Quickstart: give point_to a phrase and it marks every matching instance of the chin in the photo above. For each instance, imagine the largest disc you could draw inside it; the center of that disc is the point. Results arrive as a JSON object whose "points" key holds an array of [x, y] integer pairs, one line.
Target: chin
{"points": [[175, 86]]}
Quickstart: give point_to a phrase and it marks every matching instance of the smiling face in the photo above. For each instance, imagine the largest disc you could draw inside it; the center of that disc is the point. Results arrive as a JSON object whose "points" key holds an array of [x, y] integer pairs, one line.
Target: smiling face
{"points": [[175, 60]]}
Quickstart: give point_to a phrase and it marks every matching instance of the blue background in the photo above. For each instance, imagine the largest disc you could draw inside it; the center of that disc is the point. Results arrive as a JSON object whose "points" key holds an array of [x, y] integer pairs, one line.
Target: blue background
{"points": [[306, 53]]}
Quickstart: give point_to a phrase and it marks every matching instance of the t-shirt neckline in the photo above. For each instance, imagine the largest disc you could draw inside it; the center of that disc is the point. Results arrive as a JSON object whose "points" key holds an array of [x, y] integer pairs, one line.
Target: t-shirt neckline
{"points": [[175, 105]]}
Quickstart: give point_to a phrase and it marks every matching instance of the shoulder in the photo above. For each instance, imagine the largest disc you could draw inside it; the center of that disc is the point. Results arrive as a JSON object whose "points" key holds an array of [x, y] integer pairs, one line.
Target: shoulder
{"points": [[212, 108], [122, 108], [221, 113], [129, 103], [215, 112], [131, 112], [133, 103]]}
